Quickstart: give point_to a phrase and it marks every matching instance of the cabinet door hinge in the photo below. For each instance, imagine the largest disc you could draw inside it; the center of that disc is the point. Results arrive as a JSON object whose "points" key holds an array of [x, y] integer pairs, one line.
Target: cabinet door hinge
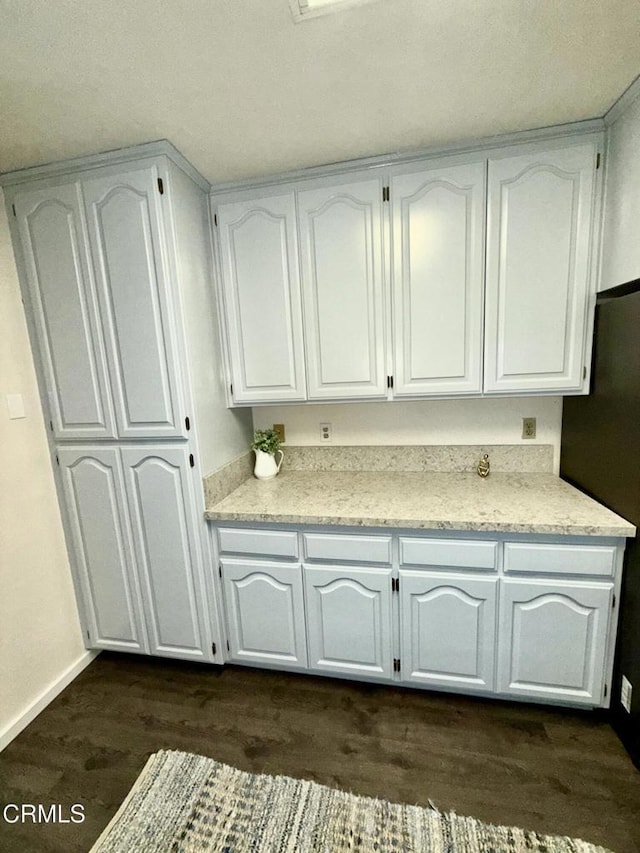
{"points": [[385, 193], [187, 423], [13, 207], [598, 160], [160, 186], [192, 461], [214, 648]]}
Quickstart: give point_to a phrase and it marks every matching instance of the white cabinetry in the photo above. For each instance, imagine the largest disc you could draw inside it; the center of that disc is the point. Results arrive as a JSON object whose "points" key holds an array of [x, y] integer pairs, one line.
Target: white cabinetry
{"points": [[93, 484], [164, 521], [114, 257], [265, 612], [395, 262], [124, 220], [553, 638], [540, 211], [342, 278], [448, 629], [259, 258], [438, 274], [510, 617], [58, 271], [349, 620]]}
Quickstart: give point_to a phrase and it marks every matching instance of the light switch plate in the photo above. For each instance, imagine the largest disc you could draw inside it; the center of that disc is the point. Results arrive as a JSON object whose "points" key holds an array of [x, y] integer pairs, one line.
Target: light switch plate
{"points": [[15, 405]]}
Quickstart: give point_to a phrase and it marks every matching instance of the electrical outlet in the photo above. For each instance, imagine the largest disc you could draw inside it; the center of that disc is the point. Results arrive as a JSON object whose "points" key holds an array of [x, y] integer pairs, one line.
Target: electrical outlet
{"points": [[625, 694], [325, 432], [528, 427], [279, 429]]}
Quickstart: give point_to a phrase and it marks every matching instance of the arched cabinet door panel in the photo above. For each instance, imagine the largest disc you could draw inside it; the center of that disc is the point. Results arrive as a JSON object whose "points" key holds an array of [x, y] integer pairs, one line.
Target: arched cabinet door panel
{"points": [[261, 287], [96, 509], [65, 311], [538, 269], [448, 630], [129, 252], [265, 612], [349, 620], [341, 247], [168, 549], [438, 277], [553, 640]]}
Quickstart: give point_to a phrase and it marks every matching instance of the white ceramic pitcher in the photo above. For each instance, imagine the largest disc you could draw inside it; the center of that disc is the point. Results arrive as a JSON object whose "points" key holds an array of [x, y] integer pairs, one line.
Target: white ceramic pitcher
{"points": [[266, 467]]}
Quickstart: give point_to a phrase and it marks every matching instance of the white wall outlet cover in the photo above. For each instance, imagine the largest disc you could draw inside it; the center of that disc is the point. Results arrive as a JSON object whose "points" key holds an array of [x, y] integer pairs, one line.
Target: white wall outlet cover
{"points": [[15, 405], [326, 433]]}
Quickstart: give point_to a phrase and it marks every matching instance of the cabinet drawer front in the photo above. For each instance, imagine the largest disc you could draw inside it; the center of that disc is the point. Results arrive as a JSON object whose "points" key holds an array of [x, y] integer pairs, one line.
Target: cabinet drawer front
{"points": [[559, 559], [268, 543], [363, 549], [454, 553]]}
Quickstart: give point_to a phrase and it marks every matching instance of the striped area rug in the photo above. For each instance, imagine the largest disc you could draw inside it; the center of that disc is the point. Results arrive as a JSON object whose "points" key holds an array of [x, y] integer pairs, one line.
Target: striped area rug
{"points": [[190, 804]]}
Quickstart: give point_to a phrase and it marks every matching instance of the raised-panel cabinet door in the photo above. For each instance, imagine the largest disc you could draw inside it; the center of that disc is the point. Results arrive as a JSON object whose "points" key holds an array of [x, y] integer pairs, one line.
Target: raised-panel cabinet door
{"points": [[65, 311], [538, 269], [552, 640], [97, 511], [349, 620], [447, 626], [438, 278], [128, 249], [343, 289], [265, 612], [261, 288], [168, 549]]}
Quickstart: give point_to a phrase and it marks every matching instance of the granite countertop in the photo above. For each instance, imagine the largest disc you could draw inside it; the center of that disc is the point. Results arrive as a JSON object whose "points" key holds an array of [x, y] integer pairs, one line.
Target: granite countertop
{"points": [[504, 502]]}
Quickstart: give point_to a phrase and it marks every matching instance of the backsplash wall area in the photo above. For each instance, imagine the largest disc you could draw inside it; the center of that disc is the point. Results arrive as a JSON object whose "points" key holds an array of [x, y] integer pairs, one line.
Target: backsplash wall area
{"points": [[420, 422]]}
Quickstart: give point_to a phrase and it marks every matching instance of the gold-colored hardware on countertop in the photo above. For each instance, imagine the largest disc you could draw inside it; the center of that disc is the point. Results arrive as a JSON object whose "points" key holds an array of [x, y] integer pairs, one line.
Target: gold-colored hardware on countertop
{"points": [[484, 468]]}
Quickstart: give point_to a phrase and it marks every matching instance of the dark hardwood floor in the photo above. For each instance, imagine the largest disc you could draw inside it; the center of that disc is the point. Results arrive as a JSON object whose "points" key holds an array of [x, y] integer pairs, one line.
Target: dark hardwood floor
{"points": [[552, 771]]}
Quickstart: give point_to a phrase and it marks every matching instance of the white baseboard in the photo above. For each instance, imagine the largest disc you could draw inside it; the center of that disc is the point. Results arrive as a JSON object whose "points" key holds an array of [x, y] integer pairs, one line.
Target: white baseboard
{"points": [[13, 729]]}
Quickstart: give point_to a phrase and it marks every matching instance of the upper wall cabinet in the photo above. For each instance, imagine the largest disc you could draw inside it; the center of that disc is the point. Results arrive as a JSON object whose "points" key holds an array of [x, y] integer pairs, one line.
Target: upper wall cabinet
{"points": [[438, 272], [461, 275], [540, 210], [124, 221], [96, 259], [262, 298], [58, 270], [341, 239]]}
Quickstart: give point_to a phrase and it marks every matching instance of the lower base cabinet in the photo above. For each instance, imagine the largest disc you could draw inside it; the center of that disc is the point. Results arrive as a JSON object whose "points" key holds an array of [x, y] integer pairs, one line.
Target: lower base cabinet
{"points": [[553, 640], [265, 612], [349, 622], [136, 548], [448, 630], [483, 616]]}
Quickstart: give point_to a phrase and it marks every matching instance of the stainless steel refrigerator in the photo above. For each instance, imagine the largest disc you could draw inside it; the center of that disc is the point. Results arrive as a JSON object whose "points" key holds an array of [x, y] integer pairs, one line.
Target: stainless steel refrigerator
{"points": [[601, 455]]}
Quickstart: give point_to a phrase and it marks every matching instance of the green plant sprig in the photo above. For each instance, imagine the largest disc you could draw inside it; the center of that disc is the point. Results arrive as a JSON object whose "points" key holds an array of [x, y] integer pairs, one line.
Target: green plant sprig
{"points": [[266, 440]]}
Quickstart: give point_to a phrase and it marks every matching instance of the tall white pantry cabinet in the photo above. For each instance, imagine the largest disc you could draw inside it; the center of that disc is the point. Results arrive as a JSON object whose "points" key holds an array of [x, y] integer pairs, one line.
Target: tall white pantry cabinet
{"points": [[114, 257]]}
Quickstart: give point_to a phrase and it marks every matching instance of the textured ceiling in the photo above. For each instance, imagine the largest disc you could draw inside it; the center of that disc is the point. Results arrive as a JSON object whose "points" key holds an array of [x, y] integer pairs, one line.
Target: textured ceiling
{"points": [[242, 90]]}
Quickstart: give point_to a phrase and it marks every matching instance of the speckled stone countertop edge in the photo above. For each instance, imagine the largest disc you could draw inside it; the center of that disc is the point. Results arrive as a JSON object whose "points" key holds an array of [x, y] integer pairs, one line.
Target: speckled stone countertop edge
{"points": [[422, 524]]}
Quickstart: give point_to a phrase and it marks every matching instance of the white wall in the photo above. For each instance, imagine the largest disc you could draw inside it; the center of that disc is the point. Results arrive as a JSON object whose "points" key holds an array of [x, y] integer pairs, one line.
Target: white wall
{"points": [[40, 642], [621, 239], [482, 421]]}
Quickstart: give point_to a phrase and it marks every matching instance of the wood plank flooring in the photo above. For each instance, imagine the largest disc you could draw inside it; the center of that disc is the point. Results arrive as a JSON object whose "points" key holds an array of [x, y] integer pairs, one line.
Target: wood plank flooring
{"points": [[552, 771]]}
